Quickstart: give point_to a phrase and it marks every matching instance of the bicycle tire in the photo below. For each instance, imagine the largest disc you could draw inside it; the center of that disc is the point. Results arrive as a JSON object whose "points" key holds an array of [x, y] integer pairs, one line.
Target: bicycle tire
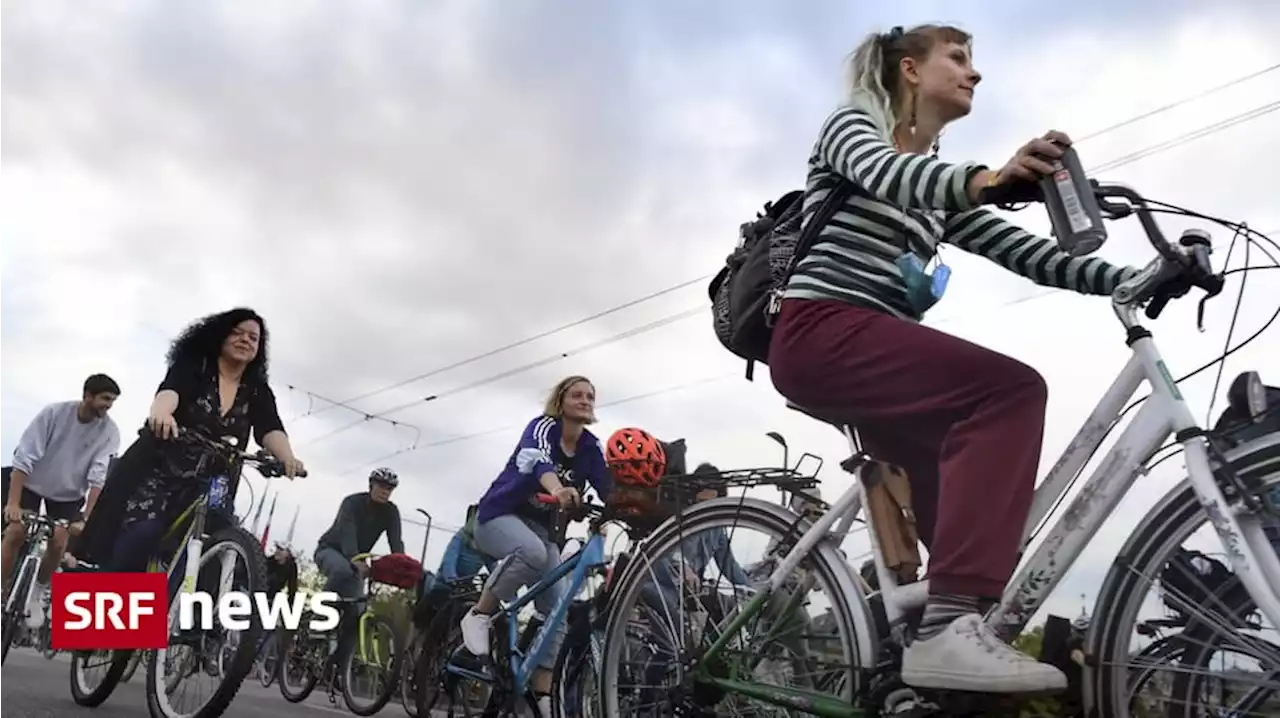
{"points": [[1107, 689], [852, 614], [313, 672], [388, 690], [247, 546], [134, 661], [570, 671], [27, 574], [92, 697], [442, 637], [407, 680]]}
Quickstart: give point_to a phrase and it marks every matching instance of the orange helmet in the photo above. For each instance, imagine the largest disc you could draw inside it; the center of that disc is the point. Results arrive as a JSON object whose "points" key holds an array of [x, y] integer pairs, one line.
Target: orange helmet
{"points": [[636, 458]]}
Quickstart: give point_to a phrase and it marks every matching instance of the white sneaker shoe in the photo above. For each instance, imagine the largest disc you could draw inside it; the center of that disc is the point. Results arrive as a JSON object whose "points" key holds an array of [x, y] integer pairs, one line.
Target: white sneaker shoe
{"points": [[475, 633], [968, 656], [544, 706], [37, 602]]}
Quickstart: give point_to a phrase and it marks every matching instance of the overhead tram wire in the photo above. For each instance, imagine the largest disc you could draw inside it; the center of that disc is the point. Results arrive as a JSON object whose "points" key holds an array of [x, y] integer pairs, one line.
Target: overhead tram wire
{"points": [[1107, 129], [646, 395], [656, 324], [714, 379], [516, 427], [519, 343], [694, 311]]}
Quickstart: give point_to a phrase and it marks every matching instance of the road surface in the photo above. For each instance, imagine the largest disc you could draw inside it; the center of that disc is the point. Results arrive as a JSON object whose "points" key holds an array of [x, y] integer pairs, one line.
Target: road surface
{"points": [[33, 687]]}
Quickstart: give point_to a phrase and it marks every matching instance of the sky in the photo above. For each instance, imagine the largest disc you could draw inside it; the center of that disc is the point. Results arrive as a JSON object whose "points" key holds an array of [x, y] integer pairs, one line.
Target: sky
{"points": [[401, 186]]}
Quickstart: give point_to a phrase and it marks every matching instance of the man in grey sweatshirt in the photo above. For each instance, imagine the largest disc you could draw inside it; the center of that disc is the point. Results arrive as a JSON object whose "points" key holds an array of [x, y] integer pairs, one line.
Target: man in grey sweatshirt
{"points": [[63, 454]]}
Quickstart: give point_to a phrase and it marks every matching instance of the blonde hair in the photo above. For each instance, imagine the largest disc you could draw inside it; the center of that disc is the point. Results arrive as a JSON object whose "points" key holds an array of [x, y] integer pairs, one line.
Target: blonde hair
{"points": [[874, 69], [555, 401]]}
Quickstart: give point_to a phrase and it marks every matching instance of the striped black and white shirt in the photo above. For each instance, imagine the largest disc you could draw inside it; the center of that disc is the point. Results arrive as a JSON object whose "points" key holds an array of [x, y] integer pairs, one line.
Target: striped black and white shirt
{"points": [[910, 202]]}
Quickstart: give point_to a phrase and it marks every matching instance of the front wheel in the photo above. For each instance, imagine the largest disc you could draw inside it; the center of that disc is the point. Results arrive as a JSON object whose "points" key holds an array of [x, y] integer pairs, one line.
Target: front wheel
{"points": [[408, 680], [134, 662], [374, 659], [95, 674], [575, 685], [197, 654]]}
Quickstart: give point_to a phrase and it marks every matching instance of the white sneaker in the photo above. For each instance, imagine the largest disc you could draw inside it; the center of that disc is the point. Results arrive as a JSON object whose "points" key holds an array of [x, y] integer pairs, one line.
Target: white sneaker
{"points": [[968, 656], [37, 602], [544, 706], [475, 633]]}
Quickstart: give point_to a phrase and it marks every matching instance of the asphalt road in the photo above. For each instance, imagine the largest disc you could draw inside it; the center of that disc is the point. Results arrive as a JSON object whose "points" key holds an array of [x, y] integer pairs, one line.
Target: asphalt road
{"points": [[33, 687]]}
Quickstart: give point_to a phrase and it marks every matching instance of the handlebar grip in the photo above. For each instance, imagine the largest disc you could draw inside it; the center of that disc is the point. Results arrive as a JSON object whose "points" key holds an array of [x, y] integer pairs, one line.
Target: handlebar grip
{"points": [[1015, 192], [546, 499]]}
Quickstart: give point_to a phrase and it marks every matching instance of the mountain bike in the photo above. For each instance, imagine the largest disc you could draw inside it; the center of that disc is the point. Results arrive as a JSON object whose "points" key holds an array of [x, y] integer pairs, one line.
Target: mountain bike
{"points": [[1232, 487], [313, 656], [216, 546], [513, 658], [39, 529]]}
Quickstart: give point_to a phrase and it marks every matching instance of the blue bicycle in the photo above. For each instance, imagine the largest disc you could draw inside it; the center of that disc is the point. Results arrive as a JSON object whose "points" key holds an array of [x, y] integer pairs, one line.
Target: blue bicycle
{"points": [[516, 654]]}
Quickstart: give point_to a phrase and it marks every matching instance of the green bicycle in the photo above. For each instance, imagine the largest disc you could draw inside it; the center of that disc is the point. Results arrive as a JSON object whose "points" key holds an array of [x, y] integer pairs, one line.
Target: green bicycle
{"points": [[230, 558], [309, 656]]}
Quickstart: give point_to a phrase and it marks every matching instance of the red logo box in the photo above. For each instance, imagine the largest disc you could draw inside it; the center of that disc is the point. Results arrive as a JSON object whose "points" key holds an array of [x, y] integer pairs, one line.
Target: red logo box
{"points": [[117, 611]]}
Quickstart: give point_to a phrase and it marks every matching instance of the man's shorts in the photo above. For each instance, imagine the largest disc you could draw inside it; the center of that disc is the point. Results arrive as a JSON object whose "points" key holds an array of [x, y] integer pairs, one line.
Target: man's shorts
{"points": [[31, 501]]}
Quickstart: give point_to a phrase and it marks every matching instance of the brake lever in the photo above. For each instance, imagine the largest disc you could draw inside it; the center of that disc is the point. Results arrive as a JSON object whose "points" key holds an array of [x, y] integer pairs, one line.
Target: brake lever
{"points": [[1113, 209]]}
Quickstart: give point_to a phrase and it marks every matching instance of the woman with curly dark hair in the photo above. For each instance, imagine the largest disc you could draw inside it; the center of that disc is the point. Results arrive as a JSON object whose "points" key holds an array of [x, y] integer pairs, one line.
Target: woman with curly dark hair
{"points": [[216, 384]]}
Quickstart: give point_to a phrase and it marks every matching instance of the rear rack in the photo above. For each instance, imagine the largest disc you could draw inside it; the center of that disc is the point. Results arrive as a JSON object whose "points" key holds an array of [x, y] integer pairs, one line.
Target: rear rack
{"points": [[643, 509]]}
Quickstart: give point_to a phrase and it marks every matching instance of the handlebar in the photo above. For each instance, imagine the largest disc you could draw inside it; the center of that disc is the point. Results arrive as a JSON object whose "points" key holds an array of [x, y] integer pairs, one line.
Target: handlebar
{"points": [[33, 519], [266, 464], [586, 507], [1175, 271]]}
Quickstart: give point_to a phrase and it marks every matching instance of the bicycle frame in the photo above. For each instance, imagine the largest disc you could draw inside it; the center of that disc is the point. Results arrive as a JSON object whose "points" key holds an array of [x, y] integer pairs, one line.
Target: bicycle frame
{"points": [[193, 546], [591, 555], [1163, 414]]}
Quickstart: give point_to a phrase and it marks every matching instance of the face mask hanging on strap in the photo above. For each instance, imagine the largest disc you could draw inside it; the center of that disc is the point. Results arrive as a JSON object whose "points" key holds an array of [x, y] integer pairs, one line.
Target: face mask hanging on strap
{"points": [[924, 288]]}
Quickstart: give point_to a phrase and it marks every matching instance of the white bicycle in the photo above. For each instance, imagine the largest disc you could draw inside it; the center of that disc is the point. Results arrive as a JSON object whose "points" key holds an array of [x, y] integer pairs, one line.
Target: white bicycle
{"points": [[1231, 487]]}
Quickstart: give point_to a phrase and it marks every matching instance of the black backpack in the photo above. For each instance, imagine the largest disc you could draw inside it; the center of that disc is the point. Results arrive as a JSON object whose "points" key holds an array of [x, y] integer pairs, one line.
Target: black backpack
{"points": [[747, 293], [1192, 578]]}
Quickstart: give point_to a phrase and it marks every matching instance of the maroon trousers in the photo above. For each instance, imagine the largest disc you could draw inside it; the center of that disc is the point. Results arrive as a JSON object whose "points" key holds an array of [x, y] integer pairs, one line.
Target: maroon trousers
{"points": [[966, 423]]}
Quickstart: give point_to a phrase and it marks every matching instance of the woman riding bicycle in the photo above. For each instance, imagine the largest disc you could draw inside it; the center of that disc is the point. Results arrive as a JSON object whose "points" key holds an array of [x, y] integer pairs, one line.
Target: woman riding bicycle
{"points": [[216, 384], [556, 455], [963, 421]]}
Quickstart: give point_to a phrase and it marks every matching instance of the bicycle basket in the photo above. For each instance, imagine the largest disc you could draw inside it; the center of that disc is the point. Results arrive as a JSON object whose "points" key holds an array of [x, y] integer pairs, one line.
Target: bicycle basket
{"points": [[397, 569]]}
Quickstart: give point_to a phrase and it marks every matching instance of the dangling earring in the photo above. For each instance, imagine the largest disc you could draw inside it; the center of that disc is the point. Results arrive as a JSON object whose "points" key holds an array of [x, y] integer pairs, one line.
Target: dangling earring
{"points": [[911, 123]]}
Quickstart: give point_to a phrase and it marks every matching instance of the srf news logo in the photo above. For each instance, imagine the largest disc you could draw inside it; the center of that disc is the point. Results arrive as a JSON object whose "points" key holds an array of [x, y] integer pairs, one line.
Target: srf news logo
{"points": [[130, 611]]}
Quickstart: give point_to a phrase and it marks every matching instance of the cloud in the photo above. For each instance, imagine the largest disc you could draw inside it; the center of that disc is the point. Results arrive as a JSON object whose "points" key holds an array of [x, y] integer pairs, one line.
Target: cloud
{"points": [[399, 186]]}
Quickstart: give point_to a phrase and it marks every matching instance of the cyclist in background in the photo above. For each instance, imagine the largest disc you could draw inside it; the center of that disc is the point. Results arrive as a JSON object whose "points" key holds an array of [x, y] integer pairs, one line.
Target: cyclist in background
{"points": [[556, 455], [461, 557], [461, 560], [698, 552], [62, 456], [282, 571], [282, 575], [964, 421], [362, 519]]}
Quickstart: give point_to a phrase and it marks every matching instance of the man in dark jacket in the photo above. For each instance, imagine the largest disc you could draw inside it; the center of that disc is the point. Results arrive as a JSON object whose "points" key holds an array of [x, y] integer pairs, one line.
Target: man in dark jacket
{"points": [[362, 519]]}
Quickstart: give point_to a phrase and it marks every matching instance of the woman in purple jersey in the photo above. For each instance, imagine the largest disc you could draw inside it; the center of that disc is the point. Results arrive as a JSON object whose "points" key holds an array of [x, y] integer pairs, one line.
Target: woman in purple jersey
{"points": [[556, 455]]}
